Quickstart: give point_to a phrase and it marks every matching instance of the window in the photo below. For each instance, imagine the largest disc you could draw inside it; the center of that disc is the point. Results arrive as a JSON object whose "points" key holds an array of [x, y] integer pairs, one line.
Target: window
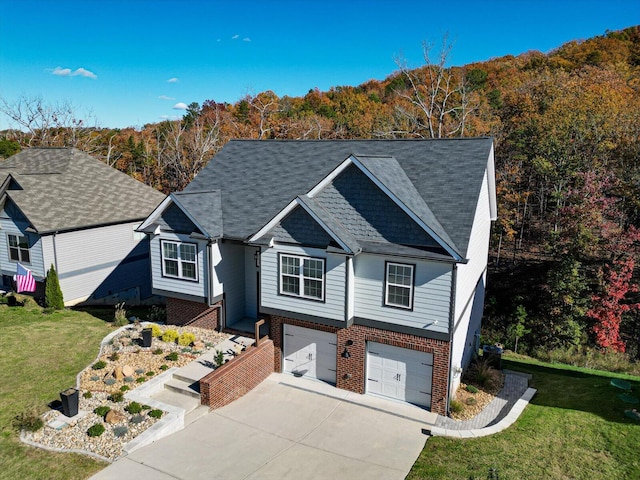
{"points": [[19, 248], [302, 277], [399, 285], [179, 260]]}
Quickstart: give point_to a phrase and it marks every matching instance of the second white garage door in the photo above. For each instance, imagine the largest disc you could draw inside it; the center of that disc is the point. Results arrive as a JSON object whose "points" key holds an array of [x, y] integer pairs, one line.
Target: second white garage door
{"points": [[310, 353], [399, 373]]}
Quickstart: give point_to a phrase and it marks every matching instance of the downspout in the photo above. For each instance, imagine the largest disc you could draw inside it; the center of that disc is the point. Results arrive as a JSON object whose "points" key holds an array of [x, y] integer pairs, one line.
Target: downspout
{"points": [[452, 313], [55, 254]]}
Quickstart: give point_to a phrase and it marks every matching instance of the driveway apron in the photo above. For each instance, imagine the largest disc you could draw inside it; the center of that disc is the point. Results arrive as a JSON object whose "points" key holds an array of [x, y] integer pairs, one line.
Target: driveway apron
{"points": [[286, 428]]}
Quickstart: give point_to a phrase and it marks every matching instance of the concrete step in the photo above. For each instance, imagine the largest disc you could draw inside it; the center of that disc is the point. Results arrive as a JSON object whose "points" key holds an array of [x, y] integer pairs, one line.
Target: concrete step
{"points": [[177, 399], [188, 388]]}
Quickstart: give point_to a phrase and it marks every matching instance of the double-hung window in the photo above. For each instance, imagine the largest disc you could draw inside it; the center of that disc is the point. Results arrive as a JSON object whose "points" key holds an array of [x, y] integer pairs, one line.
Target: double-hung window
{"points": [[399, 285], [179, 260], [19, 248], [302, 277]]}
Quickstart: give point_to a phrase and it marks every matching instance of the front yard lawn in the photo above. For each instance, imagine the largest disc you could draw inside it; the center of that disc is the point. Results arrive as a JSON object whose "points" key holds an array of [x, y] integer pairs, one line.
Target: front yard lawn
{"points": [[40, 355], [574, 428]]}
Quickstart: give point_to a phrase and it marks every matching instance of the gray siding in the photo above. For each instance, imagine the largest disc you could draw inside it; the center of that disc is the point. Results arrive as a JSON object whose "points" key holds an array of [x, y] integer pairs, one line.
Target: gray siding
{"points": [[251, 283], [333, 305], [12, 221], [230, 272], [431, 297], [100, 262], [186, 287]]}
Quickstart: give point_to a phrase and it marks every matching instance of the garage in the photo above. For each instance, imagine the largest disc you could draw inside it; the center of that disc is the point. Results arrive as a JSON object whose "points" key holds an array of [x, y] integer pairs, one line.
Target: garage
{"points": [[399, 373], [310, 353]]}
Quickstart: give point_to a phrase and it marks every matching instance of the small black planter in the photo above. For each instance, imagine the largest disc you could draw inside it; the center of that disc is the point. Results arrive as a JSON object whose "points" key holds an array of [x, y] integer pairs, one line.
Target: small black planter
{"points": [[70, 398], [146, 337], [493, 355]]}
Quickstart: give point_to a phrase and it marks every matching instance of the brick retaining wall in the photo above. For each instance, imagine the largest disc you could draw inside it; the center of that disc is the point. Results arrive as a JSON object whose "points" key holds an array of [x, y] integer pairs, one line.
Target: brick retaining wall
{"points": [[232, 380], [350, 372], [186, 312]]}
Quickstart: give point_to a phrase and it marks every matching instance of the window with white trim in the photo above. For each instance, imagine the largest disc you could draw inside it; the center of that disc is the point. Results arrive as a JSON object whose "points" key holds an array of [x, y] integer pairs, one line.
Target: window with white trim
{"points": [[179, 260], [399, 285], [302, 277], [19, 248]]}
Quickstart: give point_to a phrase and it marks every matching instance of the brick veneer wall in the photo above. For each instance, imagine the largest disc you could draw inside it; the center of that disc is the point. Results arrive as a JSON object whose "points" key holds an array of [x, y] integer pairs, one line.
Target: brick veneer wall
{"points": [[350, 372], [232, 380], [186, 312]]}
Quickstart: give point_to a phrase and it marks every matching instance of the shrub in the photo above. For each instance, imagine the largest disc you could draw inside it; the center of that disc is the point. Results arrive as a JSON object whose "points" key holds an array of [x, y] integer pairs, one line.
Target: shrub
{"points": [[163, 367], [484, 374], [173, 356], [120, 431], [471, 389], [87, 394], [170, 336], [157, 314], [471, 401], [155, 413], [114, 356], [102, 410], [128, 379], [95, 378], [145, 407], [150, 373], [52, 293], [109, 381], [124, 388], [133, 407], [186, 339], [99, 365], [120, 316], [158, 351], [139, 371], [95, 430], [156, 331], [455, 406], [218, 358], [116, 397], [137, 419], [29, 421], [141, 379]]}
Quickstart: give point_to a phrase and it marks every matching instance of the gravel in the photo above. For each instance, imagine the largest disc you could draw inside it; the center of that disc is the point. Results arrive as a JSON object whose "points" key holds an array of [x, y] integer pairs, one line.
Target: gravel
{"points": [[107, 446]]}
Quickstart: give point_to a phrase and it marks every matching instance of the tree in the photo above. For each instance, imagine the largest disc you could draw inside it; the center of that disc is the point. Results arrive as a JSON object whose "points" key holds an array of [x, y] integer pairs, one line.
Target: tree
{"points": [[517, 329], [52, 293], [439, 100], [8, 147]]}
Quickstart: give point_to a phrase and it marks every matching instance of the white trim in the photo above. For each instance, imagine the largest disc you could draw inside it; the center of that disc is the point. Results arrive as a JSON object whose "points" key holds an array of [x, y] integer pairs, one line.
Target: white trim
{"points": [[179, 261], [387, 283], [300, 276], [329, 178], [491, 178], [156, 212], [406, 209]]}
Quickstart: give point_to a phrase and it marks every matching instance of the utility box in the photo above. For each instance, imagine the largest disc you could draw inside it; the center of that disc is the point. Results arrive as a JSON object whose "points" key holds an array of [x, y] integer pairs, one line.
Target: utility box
{"points": [[493, 355]]}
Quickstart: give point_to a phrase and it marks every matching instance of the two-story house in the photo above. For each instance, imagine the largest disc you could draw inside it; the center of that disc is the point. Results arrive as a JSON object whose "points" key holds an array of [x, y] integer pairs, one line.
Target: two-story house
{"points": [[367, 257], [63, 207]]}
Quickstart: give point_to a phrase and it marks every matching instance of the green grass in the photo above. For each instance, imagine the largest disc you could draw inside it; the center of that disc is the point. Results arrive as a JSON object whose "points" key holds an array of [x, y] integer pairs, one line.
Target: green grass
{"points": [[40, 355], [574, 428]]}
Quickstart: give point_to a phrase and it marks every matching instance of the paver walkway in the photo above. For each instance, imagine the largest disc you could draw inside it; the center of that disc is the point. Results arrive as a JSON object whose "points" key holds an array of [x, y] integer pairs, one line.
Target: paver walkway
{"points": [[515, 385]]}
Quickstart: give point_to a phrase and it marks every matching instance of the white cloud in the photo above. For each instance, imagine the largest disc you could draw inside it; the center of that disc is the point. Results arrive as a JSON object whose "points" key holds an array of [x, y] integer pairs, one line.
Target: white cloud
{"points": [[235, 37], [173, 80], [165, 97], [246, 39], [80, 72], [180, 106]]}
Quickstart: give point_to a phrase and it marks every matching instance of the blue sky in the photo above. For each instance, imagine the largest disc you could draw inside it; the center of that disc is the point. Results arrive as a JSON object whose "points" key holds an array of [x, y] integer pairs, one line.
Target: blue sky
{"points": [[130, 62]]}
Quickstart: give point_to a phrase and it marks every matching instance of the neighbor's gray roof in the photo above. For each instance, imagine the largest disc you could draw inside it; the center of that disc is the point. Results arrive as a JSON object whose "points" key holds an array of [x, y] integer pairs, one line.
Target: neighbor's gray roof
{"points": [[66, 189], [258, 178]]}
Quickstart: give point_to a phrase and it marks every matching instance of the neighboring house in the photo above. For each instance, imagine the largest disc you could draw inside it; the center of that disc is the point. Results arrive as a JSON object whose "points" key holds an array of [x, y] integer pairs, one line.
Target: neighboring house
{"points": [[367, 257], [62, 207]]}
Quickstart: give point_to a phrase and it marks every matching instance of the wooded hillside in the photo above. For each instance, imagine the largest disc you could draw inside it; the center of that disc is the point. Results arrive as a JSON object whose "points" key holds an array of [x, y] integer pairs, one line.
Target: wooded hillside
{"points": [[567, 132]]}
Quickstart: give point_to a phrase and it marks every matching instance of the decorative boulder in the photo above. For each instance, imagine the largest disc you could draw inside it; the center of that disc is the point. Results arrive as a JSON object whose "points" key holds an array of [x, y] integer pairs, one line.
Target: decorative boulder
{"points": [[114, 416], [118, 374], [127, 371]]}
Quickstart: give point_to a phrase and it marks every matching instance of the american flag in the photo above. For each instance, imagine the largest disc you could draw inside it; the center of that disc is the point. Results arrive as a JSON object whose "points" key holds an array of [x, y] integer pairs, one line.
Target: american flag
{"points": [[24, 280]]}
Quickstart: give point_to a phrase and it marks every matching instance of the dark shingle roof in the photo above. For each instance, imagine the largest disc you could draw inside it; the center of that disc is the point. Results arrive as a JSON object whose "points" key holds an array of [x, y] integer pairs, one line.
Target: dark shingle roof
{"points": [[205, 208], [258, 178], [66, 189]]}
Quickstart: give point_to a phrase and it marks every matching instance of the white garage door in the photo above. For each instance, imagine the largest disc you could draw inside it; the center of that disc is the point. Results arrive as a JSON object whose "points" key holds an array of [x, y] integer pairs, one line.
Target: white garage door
{"points": [[399, 373], [310, 353]]}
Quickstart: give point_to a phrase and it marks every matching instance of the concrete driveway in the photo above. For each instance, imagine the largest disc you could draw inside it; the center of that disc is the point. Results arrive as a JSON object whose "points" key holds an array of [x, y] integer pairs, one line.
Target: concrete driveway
{"points": [[287, 428]]}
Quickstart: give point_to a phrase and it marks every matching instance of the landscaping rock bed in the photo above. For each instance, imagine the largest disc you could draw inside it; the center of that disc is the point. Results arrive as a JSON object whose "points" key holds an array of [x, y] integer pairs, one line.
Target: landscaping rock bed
{"points": [[122, 353]]}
